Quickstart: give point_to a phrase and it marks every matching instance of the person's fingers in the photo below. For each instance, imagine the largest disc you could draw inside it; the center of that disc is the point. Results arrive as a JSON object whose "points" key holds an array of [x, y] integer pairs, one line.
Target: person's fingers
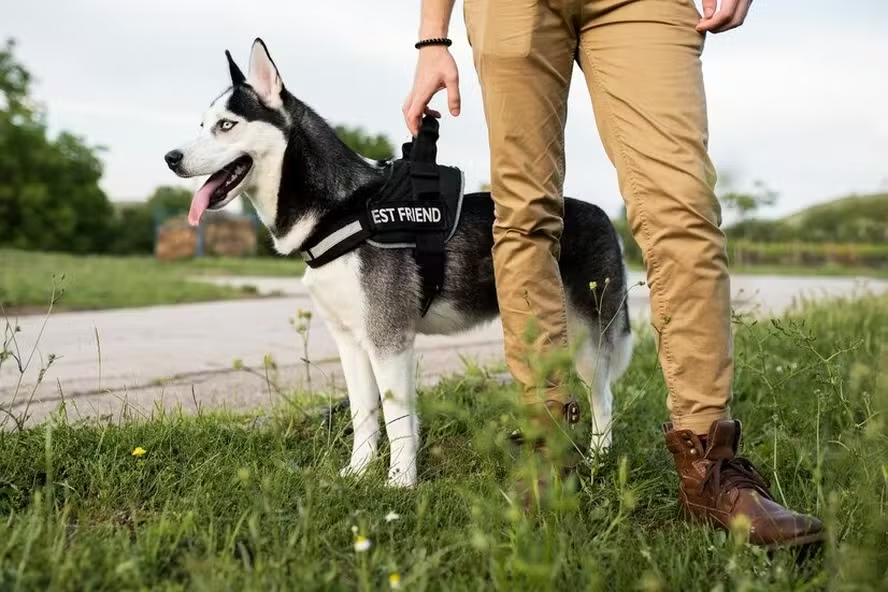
{"points": [[405, 110], [709, 7], [739, 16], [406, 104], [721, 18], [418, 105], [412, 115], [453, 98]]}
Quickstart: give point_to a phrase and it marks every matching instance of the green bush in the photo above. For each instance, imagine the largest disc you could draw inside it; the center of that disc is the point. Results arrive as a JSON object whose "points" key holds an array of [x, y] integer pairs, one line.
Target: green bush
{"points": [[873, 256], [761, 231]]}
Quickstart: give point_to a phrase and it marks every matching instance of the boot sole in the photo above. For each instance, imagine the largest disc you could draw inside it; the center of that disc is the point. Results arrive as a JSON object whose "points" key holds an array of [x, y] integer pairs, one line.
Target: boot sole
{"points": [[806, 540]]}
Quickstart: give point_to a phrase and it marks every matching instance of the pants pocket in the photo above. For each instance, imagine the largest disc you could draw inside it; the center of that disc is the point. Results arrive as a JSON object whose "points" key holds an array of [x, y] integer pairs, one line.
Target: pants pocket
{"points": [[501, 28]]}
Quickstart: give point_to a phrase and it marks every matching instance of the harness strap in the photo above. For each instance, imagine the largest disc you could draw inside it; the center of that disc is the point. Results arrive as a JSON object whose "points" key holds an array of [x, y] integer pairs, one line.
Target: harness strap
{"points": [[426, 186], [335, 240]]}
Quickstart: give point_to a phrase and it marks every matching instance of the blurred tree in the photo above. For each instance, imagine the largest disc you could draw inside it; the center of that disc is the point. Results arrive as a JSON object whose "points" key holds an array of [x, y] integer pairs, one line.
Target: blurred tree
{"points": [[135, 223], [50, 197], [744, 204], [170, 200], [376, 147], [135, 230], [15, 81]]}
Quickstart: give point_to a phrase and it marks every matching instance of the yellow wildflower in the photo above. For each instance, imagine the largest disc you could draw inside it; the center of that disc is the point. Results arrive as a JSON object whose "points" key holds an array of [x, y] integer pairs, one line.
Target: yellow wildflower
{"points": [[139, 451], [395, 581]]}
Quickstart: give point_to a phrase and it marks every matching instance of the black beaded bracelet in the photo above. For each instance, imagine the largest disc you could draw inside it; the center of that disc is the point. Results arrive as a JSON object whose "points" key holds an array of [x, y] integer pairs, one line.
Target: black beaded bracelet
{"points": [[436, 41]]}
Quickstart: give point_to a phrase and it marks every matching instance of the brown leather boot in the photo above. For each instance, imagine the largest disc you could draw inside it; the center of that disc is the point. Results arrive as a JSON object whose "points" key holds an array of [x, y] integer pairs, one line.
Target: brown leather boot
{"points": [[717, 486], [553, 416]]}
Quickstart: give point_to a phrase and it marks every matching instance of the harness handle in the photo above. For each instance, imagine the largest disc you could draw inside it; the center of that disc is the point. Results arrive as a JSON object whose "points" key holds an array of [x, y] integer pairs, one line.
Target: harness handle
{"points": [[426, 184], [425, 147]]}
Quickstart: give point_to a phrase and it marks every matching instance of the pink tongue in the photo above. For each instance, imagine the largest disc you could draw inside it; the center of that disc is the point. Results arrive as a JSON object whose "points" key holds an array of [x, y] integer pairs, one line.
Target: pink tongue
{"points": [[201, 199]]}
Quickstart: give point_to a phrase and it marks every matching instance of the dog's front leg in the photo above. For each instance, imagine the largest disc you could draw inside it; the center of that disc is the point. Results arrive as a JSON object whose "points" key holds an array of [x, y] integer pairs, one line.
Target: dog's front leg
{"points": [[395, 376], [363, 398]]}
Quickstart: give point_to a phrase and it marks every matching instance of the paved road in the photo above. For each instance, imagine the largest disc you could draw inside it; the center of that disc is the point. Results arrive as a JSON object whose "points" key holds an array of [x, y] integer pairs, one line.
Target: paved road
{"points": [[131, 360]]}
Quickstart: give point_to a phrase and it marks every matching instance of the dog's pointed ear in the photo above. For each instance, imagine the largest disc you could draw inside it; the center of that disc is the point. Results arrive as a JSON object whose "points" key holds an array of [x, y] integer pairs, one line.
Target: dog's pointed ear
{"points": [[237, 77], [264, 76]]}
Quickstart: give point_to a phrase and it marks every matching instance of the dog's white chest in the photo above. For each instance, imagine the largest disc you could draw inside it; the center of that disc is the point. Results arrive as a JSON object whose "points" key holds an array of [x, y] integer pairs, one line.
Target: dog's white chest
{"points": [[336, 290]]}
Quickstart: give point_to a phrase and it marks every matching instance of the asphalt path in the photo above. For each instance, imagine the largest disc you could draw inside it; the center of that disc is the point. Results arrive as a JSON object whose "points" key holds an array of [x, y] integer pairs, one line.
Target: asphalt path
{"points": [[130, 362]]}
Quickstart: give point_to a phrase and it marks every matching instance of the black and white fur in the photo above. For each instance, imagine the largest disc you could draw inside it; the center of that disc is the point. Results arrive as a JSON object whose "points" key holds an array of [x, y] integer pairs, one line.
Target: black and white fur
{"points": [[370, 298]]}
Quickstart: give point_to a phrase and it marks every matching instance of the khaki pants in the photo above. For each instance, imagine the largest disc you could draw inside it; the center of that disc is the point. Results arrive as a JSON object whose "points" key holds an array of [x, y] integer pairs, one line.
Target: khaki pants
{"points": [[641, 63]]}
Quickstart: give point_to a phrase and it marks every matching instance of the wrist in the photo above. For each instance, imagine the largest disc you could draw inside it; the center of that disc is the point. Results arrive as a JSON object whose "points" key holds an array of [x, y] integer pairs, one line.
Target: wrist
{"points": [[430, 29]]}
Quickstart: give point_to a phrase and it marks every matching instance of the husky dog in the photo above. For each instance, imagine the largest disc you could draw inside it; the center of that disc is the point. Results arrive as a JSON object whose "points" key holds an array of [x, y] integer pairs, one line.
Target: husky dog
{"points": [[259, 140]]}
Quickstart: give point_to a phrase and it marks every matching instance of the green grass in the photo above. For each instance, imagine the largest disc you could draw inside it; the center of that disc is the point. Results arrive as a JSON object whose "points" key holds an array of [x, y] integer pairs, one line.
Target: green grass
{"points": [[221, 502], [92, 282], [251, 266]]}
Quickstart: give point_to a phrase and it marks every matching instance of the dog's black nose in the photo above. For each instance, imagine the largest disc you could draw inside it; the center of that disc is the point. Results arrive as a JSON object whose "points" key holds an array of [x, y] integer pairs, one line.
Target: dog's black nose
{"points": [[173, 158]]}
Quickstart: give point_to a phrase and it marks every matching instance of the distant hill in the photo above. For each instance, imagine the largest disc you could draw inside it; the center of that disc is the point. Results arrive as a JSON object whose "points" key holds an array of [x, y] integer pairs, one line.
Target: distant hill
{"points": [[871, 204], [850, 219]]}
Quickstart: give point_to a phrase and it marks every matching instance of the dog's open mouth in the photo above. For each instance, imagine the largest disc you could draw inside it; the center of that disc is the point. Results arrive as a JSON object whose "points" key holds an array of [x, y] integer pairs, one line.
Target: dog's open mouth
{"points": [[217, 191]]}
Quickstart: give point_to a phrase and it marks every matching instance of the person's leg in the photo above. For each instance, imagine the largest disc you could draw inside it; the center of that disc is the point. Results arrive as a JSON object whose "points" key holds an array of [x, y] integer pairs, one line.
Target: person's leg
{"points": [[523, 53], [641, 61]]}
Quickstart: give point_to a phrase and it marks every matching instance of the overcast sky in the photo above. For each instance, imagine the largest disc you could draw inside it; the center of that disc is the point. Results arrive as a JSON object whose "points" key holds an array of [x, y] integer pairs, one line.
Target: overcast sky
{"points": [[797, 96]]}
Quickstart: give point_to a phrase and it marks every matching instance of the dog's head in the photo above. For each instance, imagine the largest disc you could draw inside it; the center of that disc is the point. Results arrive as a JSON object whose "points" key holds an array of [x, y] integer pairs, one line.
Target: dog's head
{"points": [[242, 129]]}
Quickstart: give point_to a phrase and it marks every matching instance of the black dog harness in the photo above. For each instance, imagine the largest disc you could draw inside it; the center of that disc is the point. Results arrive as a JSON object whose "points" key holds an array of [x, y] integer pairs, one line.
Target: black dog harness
{"points": [[416, 207]]}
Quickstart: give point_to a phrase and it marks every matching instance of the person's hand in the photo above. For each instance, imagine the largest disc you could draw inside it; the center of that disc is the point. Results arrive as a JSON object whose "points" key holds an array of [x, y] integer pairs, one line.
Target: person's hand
{"points": [[729, 15], [435, 70]]}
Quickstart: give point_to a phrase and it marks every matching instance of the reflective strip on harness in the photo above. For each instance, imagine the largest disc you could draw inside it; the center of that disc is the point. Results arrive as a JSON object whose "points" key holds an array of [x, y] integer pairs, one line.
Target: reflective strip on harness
{"points": [[332, 240]]}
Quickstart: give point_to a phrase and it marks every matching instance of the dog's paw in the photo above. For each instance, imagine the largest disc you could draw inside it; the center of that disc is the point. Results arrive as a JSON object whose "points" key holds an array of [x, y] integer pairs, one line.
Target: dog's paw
{"points": [[357, 467], [401, 478], [600, 444], [359, 462], [349, 471]]}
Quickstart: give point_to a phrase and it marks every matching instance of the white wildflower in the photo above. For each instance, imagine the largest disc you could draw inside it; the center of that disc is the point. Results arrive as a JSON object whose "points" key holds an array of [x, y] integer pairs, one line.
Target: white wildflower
{"points": [[362, 544]]}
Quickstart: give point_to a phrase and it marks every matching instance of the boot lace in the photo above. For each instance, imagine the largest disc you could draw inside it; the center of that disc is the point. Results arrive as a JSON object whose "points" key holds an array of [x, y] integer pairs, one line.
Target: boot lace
{"points": [[729, 473]]}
